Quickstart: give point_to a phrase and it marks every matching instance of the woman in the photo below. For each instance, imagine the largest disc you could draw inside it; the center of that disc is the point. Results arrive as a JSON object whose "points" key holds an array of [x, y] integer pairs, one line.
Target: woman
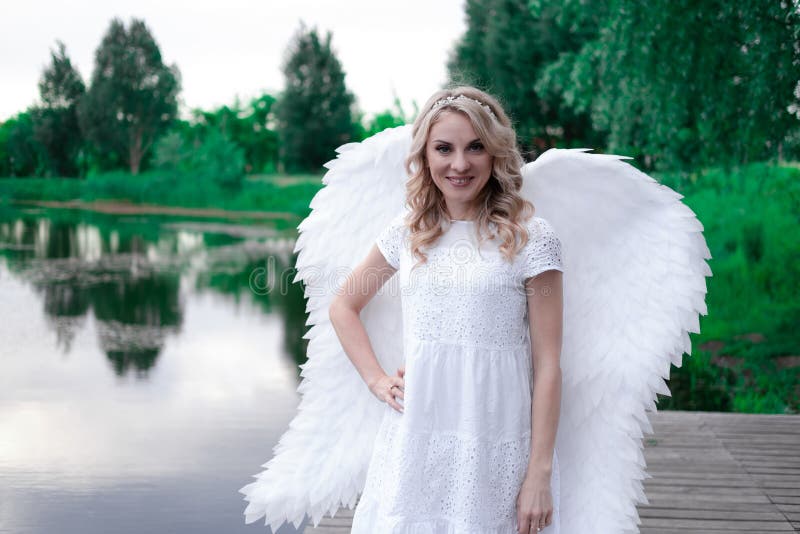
{"points": [[465, 178], [494, 422]]}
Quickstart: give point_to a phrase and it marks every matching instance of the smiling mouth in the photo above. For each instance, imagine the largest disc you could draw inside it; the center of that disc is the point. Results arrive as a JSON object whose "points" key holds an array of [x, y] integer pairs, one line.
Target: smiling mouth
{"points": [[459, 180]]}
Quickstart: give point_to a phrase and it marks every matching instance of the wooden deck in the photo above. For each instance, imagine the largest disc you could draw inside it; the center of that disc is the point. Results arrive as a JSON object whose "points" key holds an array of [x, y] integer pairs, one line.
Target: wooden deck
{"points": [[711, 473]]}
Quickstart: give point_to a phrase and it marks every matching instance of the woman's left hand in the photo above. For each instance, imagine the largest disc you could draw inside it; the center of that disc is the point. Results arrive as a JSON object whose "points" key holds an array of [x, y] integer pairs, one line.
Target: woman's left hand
{"points": [[534, 504]]}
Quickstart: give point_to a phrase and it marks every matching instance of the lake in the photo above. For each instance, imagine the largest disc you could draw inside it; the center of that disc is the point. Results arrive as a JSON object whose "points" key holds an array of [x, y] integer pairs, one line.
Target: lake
{"points": [[148, 366]]}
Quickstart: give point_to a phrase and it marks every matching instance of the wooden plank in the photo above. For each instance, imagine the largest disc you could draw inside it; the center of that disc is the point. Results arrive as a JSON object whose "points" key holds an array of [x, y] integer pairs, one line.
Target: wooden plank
{"points": [[711, 473], [720, 515]]}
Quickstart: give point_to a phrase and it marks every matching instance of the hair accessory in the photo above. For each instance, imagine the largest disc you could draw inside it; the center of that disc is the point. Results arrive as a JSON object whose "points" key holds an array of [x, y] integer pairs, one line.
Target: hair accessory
{"points": [[450, 99]]}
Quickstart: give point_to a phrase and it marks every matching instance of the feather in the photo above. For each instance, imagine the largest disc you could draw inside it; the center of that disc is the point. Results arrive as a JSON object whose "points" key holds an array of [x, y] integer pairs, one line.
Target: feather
{"points": [[320, 463], [634, 287]]}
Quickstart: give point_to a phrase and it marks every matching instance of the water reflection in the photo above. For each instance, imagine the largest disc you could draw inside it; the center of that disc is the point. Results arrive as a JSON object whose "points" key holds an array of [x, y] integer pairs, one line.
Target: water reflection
{"points": [[129, 277], [142, 381], [135, 316]]}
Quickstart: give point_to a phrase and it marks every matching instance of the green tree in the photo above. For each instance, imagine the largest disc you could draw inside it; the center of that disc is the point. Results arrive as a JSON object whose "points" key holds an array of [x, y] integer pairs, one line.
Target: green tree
{"points": [[55, 121], [214, 159], [389, 118], [507, 45], [683, 84], [260, 139], [315, 110], [20, 153], [132, 98], [251, 127]]}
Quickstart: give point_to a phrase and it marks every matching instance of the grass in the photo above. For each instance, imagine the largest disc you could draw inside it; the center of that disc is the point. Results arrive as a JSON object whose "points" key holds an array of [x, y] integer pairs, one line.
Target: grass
{"points": [[743, 360], [278, 193]]}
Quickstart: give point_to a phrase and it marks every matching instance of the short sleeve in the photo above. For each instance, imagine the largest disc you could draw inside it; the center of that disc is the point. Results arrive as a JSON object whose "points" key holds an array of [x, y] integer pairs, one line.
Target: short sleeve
{"points": [[390, 241], [543, 250]]}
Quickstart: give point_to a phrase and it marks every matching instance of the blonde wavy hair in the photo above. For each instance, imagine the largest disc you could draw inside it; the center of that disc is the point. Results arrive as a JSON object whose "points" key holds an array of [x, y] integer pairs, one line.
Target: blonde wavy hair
{"points": [[499, 202]]}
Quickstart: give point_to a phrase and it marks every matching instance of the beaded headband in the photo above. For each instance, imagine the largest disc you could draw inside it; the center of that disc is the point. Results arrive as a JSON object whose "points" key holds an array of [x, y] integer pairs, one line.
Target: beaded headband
{"points": [[450, 99]]}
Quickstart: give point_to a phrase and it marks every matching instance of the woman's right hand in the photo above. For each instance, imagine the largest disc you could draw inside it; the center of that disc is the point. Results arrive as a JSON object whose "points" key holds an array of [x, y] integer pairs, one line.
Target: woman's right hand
{"points": [[386, 388]]}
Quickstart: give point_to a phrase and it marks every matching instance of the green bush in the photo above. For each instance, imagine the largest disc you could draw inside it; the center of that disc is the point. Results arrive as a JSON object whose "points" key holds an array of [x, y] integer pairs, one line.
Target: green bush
{"points": [[215, 159], [750, 216]]}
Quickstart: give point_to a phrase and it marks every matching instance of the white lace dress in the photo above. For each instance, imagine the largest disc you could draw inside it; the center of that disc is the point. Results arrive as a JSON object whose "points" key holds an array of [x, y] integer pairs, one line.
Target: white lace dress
{"points": [[454, 461]]}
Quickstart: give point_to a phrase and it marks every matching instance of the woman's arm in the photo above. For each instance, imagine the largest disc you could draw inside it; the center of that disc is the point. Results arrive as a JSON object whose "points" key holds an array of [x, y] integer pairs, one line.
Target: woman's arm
{"points": [[545, 313], [358, 289]]}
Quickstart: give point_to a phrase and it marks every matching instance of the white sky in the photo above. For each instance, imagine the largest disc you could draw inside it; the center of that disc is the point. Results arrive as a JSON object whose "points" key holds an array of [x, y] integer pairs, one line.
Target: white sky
{"points": [[235, 47]]}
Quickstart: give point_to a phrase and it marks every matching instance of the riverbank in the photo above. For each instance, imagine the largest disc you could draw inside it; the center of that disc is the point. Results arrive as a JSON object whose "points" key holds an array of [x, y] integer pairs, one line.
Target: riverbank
{"points": [[280, 197], [125, 208]]}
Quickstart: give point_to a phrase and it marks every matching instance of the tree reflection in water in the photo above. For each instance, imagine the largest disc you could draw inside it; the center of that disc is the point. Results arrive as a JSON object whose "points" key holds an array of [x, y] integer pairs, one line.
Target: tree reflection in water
{"points": [[128, 273]]}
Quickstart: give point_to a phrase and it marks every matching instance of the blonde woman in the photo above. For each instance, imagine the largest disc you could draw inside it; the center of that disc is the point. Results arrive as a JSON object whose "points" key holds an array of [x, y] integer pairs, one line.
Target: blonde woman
{"points": [[464, 447], [486, 363]]}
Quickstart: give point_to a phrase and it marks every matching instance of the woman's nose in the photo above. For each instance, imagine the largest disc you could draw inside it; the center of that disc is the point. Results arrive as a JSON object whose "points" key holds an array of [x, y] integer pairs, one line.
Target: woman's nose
{"points": [[460, 162]]}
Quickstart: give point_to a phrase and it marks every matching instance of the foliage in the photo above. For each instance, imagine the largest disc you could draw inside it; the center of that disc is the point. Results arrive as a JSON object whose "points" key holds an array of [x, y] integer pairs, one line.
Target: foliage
{"points": [[220, 160], [171, 153], [281, 194], [750, 217], [55, 121], [39, 189], [314, 111], [507, 45], [677, 84], [20, 153], [250, 127], [699, 384], [132, 98], [389, 118], [683, 84], [215, 158]]}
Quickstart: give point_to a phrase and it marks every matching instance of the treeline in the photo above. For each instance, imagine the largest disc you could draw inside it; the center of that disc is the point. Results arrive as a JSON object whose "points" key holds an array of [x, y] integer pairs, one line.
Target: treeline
{"points": [[679, 84], [127, 117]]}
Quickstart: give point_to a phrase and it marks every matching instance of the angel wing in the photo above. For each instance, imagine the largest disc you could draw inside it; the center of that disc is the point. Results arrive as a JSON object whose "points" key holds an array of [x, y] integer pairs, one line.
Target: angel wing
{"points": [[320, 463], [634, 286]]}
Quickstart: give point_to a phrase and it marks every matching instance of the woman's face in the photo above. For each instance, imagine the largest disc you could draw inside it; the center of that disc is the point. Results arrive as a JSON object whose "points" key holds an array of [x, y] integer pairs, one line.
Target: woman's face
{"points": [[458, 162]]}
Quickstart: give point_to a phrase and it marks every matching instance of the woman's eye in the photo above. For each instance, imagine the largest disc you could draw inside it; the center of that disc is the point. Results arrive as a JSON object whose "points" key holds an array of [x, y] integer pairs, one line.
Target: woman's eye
{"points": [[445, 149]]}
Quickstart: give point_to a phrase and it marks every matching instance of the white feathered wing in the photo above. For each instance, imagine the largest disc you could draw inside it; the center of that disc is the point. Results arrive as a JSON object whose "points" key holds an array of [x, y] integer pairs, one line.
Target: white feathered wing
{"points": [[320, 463], [634, 284]]}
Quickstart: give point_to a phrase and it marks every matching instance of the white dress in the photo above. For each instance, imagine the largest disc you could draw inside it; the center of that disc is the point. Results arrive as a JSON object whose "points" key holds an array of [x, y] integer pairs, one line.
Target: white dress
{"points": [[454, 460]]}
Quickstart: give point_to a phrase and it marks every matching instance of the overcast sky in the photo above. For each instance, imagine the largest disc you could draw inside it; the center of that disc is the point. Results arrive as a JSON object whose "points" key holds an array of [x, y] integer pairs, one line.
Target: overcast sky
{"points": [[235, 47]]}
